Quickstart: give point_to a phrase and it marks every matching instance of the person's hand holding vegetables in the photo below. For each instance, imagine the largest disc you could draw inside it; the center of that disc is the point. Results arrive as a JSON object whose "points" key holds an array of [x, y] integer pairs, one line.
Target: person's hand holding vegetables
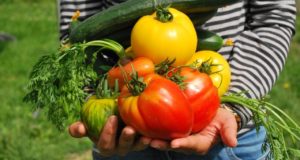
{"points": [[108, 143], [223, 127]]}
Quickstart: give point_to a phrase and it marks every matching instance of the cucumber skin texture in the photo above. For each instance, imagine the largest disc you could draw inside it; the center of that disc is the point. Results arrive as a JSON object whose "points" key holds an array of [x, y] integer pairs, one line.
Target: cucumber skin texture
{"points": [[127, 13], [208, 40]]}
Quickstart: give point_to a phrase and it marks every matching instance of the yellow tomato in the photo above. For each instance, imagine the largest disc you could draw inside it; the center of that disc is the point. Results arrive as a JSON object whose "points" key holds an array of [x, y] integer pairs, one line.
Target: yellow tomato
{"points": [[157, 40], [216, 66]]}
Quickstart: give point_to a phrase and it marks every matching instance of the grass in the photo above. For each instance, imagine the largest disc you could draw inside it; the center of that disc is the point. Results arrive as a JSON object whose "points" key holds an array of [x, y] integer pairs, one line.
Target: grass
{"points": [[28, 136], [23, 135]]}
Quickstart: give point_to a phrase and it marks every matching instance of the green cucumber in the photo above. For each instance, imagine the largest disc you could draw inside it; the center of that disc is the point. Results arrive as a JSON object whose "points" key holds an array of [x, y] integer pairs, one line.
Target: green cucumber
{"points": [[126, 14], [208, 40]]}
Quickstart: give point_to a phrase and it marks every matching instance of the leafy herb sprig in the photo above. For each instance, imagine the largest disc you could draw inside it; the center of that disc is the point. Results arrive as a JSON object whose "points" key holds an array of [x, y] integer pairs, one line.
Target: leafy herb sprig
{"points": [[57, 81], [279, 125]]}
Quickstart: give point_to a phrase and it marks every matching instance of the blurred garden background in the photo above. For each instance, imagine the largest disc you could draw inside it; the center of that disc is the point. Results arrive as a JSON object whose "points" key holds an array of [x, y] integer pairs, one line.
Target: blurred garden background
{"points": [[25, 135]]}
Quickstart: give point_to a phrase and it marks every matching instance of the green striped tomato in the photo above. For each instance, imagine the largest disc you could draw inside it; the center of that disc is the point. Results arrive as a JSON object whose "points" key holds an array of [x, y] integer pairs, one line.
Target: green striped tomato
{"points": [[95, 113]]}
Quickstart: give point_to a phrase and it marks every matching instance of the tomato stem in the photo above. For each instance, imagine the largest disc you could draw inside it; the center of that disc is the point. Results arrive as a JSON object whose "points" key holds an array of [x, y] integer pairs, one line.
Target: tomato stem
{"points": [[163, 14], [206, 66], [174, 75], [164, 66], [135, 85]]}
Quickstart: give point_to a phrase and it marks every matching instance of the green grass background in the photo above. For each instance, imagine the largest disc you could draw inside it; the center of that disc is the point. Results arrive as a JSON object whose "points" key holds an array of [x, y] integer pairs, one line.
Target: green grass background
{"points": [[25, 136]]}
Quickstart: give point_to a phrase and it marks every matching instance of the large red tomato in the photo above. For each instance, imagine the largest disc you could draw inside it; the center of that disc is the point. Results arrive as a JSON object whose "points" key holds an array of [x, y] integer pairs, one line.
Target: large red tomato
{"points": [[160, 111], [202, 95]]}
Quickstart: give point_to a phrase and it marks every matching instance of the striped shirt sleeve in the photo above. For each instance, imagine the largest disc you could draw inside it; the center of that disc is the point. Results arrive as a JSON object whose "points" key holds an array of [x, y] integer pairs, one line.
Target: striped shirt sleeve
{"points": [[87, 8], [260, 51]]}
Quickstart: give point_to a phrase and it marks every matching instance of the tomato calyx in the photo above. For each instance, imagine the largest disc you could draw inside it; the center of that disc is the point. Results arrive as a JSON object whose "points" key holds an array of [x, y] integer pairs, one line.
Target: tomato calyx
{"points": [[135, 85], [206, 67], [175, 76], [163, 14], [163, 67], [104, 91]]}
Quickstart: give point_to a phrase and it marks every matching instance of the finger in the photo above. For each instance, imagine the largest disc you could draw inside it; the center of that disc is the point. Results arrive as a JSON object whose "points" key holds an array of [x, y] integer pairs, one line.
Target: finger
{"points": [[77, 130], [142, 143], [160, 144], [195, 143], [229, 132], [107, 140], [126, 140]]}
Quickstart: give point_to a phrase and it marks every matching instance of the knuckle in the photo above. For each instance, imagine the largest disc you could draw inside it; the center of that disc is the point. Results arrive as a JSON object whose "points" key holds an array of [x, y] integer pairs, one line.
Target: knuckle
{"points": [[122, 152], [202, 152], [139, 147], [106, 149], [105, 153]]}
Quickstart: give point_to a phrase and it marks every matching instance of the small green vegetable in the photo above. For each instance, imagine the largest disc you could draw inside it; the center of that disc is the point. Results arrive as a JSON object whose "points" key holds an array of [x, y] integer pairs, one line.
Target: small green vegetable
{"points": [[208, 40], [99, 107]]}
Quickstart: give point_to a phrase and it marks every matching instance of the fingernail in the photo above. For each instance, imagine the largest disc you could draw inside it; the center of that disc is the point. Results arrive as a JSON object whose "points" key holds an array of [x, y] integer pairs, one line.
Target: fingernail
{"points": [[146, 141], [155, 146], [174, 145], [129, 131], [80, 129], [112, 119]]}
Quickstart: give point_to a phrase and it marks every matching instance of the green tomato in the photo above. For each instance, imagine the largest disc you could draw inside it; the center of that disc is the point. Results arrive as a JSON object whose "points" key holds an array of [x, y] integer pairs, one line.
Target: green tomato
{"points": [[95, 113]]}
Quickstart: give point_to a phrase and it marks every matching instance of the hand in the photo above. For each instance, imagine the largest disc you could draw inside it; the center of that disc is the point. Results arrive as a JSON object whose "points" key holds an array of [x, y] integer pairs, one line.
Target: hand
{"points": [[108, 144], [223, 126]]}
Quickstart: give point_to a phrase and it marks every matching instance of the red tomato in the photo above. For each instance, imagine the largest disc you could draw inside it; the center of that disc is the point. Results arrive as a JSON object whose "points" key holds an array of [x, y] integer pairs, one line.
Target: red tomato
{"points": [[202, 95], [160, 111], [141, 65]]}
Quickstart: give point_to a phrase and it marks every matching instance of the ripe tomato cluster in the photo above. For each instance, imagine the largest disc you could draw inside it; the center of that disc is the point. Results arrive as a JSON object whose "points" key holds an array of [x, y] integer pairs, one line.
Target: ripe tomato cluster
{"points": [[166, 89]]}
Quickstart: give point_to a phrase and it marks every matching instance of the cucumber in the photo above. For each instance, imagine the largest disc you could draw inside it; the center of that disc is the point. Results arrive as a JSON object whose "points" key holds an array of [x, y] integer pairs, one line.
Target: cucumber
{"points": [[208, 40], [125, 14]]}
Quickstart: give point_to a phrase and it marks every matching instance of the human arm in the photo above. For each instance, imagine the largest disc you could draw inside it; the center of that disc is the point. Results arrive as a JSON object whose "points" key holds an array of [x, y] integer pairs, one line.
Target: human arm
{"points": [[260, 51]]}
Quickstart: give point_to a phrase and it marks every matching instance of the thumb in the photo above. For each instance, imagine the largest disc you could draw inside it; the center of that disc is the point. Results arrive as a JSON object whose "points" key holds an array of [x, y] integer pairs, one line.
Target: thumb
{"points": [[77, 130], [229, 132]]}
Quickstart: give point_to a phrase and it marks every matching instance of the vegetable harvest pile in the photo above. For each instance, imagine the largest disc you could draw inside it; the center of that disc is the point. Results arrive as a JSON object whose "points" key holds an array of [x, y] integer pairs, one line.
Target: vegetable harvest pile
{"points": [[168, 83]]}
